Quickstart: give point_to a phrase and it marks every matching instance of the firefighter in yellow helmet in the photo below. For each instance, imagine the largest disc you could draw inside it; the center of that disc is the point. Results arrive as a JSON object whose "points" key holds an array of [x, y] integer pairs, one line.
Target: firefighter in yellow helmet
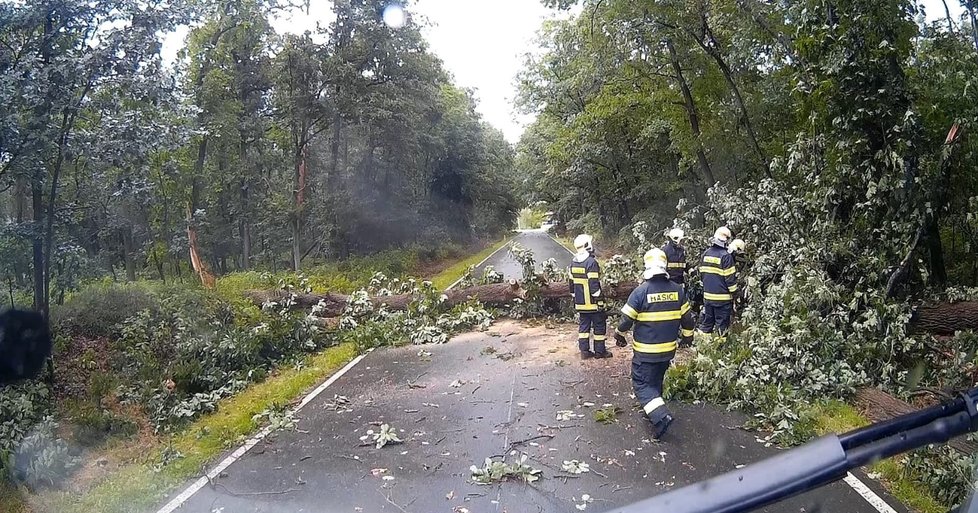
{"points": [[585, 286], [719, 274], [659, 313]]}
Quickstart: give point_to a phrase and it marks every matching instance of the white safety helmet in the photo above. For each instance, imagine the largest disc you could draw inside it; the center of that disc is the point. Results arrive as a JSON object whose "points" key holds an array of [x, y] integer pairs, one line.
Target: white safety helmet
{"points": [[584, 242], [736, 245], [722, 236], [676, 235], [655, 263]]}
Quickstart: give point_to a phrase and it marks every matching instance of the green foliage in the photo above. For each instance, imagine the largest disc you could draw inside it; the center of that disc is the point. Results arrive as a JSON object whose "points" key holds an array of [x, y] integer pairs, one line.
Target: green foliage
{"points": [[621, 270], [98, 310], [526, 260], [531, 218], [30, 452], [493, 471], [426, 320], [386, 435], [606, 415], [490, 275]]}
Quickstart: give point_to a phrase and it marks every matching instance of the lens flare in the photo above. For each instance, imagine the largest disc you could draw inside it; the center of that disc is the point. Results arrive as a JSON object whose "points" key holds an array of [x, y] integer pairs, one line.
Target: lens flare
{"points": [[394, 16]]}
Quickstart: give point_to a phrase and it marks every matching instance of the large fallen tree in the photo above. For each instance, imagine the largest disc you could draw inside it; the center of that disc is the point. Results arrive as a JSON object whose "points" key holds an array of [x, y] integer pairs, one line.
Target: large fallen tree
{"points": [[939, 318]]}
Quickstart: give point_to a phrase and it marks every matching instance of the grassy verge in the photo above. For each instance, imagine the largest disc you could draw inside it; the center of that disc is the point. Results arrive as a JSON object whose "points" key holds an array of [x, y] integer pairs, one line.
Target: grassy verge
{"points": [[566, 242], [448, 276], [137, 486], [838, 417]]}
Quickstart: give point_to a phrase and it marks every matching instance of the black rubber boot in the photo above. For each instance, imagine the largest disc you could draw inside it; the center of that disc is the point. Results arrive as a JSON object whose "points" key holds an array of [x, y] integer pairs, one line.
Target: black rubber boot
{"points": [[586, 355], [605, 354], [659, 429]]}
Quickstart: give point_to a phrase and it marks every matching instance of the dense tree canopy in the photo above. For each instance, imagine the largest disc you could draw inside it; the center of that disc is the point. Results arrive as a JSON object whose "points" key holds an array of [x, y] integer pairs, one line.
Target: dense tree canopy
{"points": [[255, 149], [859, 107]]}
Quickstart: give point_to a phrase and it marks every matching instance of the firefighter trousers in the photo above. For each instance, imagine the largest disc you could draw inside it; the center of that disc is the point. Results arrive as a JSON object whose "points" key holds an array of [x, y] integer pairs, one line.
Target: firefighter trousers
{"points": [[592, 321], [647, 380], [716, 317]]}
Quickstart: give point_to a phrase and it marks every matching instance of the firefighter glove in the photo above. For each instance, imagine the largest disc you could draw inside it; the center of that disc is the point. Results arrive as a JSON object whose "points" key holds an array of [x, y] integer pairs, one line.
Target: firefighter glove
{"points": [[620, 340]]}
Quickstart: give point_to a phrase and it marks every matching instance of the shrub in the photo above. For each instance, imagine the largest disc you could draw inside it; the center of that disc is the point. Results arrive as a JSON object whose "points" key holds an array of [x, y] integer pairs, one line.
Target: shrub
{"points": [[97, 310], [29, 452]]}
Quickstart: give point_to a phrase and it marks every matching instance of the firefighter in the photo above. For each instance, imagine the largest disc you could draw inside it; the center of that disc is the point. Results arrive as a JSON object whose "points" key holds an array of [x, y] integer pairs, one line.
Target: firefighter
{"points": [[585, 286], [719, 274], [659, 313], [676, 255]]}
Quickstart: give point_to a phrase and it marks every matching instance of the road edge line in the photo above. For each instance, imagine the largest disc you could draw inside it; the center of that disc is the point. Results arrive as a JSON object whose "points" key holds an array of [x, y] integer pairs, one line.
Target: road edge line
{"points": [[871, 497], [559, 243], [500, 248], [197, 485]]}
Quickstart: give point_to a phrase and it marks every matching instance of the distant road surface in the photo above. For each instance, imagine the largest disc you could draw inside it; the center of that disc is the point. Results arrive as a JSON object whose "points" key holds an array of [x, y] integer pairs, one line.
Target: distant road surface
{"points": [[543, 246]]}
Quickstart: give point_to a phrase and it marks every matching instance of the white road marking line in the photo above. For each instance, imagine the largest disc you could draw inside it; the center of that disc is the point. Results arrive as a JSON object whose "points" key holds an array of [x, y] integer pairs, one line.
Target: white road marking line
{"points": [[450, 287], [509, 419], [559, 244], [178, 501], [874, 500]]}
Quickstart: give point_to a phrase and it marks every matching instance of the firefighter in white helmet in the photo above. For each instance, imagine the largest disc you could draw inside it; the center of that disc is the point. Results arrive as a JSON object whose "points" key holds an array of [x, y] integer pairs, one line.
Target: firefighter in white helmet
{"points": [[718, 271], [676, 255], [659, 313], [585, 286]]}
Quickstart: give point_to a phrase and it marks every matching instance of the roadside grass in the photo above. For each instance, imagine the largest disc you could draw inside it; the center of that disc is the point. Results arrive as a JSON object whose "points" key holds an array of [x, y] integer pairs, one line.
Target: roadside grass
{"points": [[444, 279], [136, 486], [11, 499], [566, 242], [838, 417]]}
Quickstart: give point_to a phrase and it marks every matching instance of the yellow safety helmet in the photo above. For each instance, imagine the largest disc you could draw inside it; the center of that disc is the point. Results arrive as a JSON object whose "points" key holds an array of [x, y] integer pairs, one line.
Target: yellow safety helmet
{"points": [[655, 263]]}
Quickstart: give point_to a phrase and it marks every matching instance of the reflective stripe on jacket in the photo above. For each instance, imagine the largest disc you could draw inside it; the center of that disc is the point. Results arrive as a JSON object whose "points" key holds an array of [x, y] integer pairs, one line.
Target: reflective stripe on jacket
{"points": [[585, 284], [676, 258], [718, 271], [660, 315]]}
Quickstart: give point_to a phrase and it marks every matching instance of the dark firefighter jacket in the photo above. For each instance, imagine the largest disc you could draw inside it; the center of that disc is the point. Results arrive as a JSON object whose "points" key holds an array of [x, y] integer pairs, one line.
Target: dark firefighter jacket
{"points": [[719, 273], [660, 314], [585, 284], [676, 257]]}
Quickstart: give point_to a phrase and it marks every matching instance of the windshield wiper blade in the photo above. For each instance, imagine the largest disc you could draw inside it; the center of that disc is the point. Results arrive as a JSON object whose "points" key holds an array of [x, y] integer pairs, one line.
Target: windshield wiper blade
{"points": [[817, 463]]}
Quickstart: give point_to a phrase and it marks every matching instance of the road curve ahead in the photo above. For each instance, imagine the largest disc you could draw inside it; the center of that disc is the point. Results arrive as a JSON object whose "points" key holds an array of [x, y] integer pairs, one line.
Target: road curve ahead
{"points": [[540, 242]]}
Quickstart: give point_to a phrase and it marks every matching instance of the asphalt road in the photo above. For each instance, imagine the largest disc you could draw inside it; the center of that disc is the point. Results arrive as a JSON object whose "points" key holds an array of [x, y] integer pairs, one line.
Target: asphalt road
{"points": [[493, 394], [543, 247]]}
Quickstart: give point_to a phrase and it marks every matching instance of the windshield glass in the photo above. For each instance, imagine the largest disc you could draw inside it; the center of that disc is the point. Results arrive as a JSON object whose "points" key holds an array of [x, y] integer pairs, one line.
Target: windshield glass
{"points": [[471, 256]]}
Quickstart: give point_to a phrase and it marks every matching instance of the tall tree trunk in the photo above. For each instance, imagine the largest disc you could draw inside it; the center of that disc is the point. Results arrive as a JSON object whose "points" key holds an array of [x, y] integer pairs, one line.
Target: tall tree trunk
{"points": [[244, 226], [692, 113], [712, 48], [300, 181], [127, 250], [37, 245], [974, 22], [938, 271], [947, 14]]}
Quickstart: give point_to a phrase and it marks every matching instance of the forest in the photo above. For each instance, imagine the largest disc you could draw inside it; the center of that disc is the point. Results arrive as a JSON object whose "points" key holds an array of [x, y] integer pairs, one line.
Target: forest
{"points": [[253, 150]]}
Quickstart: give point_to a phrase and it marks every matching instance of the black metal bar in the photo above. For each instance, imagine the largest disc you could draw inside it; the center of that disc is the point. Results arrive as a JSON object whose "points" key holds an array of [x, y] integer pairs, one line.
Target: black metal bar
{"points": [[937, 432], [817, 463], [906, 422]]}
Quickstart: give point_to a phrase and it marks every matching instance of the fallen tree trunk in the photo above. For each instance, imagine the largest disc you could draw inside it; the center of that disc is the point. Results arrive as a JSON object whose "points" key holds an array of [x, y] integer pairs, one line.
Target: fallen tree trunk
{"points": [[945, 318], [878, 406], [334, 304], [940, 319]]}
